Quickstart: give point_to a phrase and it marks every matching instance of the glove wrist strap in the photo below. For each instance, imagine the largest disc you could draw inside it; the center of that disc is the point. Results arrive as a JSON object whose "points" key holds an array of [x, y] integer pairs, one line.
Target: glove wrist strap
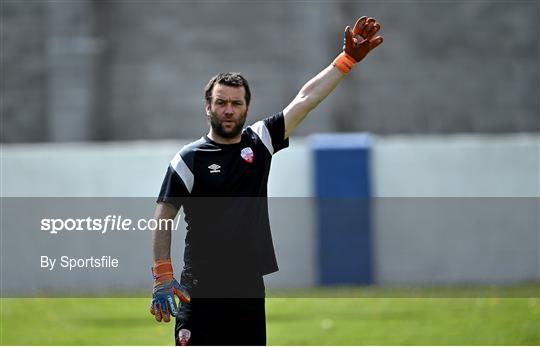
{"points": [[344, 62], [162, 271]]}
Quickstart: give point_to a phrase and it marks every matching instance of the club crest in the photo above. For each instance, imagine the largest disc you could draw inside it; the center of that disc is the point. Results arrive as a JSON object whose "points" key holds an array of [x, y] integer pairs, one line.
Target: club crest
{"points": [[247, 154], [184, 336]]}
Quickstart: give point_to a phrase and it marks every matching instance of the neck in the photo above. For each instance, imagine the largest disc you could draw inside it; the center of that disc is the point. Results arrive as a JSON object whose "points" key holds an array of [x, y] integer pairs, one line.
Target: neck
{"points": [[223, 140]]}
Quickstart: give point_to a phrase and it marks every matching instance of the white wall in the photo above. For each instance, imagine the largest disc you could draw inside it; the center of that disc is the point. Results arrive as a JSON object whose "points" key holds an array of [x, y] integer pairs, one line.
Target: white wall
{"points": [[127, 170], [457, 209], [458, 166], [442, 240], [122, 169]]}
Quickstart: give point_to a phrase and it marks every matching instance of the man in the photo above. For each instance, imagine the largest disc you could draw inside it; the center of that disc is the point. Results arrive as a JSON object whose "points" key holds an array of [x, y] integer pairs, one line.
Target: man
{"points": [[221, 182]]}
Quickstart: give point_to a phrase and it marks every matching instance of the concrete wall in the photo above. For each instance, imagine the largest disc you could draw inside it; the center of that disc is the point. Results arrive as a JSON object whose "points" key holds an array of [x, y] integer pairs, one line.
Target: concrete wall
{"points": [[448, 209], [130, 174], [457, 209], [457, 166], [86, 169], [131, 70]]}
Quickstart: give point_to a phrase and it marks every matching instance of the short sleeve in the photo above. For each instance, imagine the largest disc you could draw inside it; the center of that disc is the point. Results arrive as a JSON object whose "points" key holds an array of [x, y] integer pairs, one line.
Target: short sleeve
{"points": [[173, 189], [271, 131], [276, 127]]}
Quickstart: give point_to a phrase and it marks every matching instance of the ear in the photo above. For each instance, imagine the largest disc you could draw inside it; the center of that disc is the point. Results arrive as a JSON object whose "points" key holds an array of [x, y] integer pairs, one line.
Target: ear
{"points": [[207, 109]]}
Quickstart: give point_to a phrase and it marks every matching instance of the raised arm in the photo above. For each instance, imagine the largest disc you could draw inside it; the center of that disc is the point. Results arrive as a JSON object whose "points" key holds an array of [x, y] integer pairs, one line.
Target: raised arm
{"points": [[357, 43]]}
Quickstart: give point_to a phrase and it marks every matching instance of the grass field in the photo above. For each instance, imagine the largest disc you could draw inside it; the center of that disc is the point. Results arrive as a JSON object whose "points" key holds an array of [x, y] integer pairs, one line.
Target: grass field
{"points": [[370, 320]]}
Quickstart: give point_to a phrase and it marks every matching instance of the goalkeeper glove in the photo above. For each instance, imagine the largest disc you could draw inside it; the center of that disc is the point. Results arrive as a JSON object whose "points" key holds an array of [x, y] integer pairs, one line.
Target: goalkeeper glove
{"points": [[357, 43], [165, 288]]}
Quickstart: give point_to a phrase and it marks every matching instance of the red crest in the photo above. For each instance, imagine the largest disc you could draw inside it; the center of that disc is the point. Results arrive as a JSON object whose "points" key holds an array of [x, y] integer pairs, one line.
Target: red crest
{"points": [[183, 337], [247, 154]]}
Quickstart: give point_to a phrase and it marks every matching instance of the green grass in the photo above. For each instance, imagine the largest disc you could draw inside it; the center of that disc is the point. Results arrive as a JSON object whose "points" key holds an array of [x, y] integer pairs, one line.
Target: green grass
{"points": [[367, 320]]}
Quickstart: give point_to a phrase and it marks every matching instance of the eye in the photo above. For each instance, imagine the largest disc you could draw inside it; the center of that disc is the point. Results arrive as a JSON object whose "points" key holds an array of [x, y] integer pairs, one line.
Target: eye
{"points": [[238, 103], [220, 102]]}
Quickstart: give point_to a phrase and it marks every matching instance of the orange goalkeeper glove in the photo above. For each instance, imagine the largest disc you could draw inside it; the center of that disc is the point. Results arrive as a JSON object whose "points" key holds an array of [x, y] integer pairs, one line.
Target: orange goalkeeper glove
{"points": [[357, 43], [165, 288]]}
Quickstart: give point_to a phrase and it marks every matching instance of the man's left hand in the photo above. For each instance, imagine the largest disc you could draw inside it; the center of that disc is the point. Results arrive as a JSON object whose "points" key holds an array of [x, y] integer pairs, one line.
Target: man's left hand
{"points": [[163, 304], [360, 40], [166, 287]]}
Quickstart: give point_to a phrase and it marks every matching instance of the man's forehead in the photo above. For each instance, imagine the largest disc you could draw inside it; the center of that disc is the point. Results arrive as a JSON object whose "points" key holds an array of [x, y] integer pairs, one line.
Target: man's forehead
{"points": [[228, 92]]}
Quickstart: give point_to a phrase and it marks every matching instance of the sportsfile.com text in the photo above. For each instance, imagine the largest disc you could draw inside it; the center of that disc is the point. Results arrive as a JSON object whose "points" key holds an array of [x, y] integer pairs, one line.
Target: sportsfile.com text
{"points": [[108, 223]]}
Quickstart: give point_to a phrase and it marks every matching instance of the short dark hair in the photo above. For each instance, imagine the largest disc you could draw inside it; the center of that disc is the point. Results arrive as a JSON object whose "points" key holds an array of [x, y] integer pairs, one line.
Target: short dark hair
{"points": [[232, 79]]}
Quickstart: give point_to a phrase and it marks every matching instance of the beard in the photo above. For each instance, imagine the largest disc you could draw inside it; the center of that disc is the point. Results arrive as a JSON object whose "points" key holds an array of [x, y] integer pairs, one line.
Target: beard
{"points": [[217, 126]]}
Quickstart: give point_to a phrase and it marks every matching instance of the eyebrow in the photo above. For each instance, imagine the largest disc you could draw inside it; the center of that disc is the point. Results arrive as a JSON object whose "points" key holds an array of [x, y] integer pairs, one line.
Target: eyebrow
{"points": [[226, 99]]}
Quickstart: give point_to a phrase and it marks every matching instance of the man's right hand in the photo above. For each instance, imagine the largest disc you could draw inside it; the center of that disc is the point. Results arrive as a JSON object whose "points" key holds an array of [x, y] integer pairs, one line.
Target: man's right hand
{"points": [[165, 289]]}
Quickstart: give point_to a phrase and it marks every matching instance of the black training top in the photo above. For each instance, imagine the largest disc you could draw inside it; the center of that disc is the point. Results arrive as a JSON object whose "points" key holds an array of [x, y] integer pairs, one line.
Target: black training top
{"points": [[223, 190]]}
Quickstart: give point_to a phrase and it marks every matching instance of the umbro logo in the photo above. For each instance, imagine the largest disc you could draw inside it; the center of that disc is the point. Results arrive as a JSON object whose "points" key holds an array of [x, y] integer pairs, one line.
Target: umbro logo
{"points": [[214, 168]]}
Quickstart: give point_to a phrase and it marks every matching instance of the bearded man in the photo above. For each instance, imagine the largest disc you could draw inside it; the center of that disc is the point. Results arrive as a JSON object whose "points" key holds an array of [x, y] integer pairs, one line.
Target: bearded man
{"points": [[220, 181]]}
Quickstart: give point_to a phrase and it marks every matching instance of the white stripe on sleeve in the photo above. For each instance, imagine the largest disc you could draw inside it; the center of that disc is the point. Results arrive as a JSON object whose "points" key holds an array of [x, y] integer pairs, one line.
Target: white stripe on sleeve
{"points": [[262, 131], [181, 168]]}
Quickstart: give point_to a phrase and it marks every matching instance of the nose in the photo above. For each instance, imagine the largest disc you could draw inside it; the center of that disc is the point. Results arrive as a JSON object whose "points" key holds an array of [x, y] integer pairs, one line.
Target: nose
{"points": [[229, 108]]}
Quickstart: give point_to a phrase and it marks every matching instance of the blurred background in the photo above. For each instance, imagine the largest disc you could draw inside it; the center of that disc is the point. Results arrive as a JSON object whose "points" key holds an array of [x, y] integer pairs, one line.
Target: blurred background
{"points": [[104, 70], [98, 96]]}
